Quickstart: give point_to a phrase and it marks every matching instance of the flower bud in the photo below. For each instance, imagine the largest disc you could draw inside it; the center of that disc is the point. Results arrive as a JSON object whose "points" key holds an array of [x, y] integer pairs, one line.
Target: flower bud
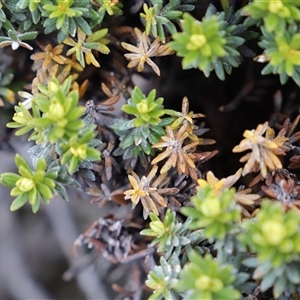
{"points": [[56, 111], [142, 107], [196, 41], [211, 208], [79, 151], [25, 184], [273, 231]]}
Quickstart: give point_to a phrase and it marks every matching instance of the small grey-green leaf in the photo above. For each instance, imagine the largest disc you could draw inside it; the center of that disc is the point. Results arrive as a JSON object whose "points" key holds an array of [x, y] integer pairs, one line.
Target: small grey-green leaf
{"points": [[62, 191], [19, 202]]}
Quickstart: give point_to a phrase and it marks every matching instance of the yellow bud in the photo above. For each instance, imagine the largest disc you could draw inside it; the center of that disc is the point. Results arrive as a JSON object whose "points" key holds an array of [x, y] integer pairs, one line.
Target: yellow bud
{"points": [[79, 151], [203, 282], [196, 42], [82, 151], [275, 6], [142, 107], [207, 283], [273, 231], [211, 208], [158, 227], [25, 184], [56, 111], [19, 118]]}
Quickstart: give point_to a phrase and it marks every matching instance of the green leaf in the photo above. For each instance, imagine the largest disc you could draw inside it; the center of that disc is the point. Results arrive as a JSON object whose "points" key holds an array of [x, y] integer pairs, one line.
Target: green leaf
{"points": [[153, 139], [20, 161], [138, 137], [146, 146], [93, 154], [235, 41], [251, 262], [191, 212], [172, 14], [66, 157], [41, 165], [84, 25], [97, 35], [35, 16], [45, 191], [271, 21], [279, 287], [138, 122], [42, 122], [62, 191], [23, 131], [2, 16], [25, 172], [145, 131], [127, 141], [158, 130], [268, 281], [73, 164], [28, 35], [35, 207], [9, 179], [19, 202], [6, 79], [122, 125], [61, 36], [166, 121], [219, 69], [137, 95], [293, 273], [148, 232], [129, 109], [94, 143], [15, 125]]}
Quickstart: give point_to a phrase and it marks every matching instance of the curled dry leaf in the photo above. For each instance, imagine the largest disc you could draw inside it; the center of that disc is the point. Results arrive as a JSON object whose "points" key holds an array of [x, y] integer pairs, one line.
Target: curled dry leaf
{"points": [[144, 50], [147, 191], [264, 151], [49, 57], [178, 155]]}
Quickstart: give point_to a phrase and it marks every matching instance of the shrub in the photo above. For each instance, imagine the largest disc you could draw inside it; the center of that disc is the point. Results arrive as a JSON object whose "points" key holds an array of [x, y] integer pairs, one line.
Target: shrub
{"points": [[207, 238]]}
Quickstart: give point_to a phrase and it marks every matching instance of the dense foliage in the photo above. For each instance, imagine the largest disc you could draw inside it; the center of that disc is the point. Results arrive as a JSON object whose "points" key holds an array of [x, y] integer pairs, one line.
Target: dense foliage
{"points": [[209, 238]]}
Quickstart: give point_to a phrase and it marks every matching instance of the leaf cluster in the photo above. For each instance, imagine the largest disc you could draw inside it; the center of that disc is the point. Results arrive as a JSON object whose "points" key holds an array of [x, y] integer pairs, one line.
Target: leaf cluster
{"points": [[140, 133], [169, 233], [276, 15], [216, 213], [283, 53], [56, 120], [160, 18], [279, 23], [217, 42], [31, 186], [206, 278], [274, 237], [223, 242]]}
